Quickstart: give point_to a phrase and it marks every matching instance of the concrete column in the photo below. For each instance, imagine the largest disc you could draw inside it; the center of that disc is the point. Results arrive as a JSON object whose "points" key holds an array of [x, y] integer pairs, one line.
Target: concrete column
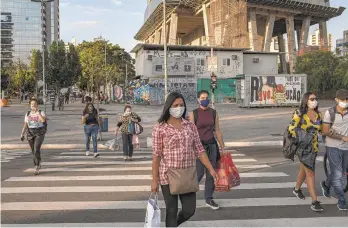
{"points": [[164, 36], [323, 37], [304, 32], [173, 29], [252, 25], [269, 33], [157, 37], [291, 42], [281, 44], [206, 25]]}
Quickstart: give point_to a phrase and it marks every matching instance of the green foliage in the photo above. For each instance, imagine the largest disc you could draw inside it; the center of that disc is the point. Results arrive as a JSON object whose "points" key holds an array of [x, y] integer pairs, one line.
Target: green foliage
{"points": [[102, 63], [325, 71], [20, 77]]}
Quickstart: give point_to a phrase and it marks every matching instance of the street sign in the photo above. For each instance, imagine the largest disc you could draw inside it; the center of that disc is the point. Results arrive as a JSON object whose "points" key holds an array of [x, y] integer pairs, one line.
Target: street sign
{"points": [[212, 64]]}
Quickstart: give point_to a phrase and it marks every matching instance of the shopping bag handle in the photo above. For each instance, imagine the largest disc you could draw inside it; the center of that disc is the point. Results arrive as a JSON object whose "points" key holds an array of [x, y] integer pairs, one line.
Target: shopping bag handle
{"points": [[155, 196]]}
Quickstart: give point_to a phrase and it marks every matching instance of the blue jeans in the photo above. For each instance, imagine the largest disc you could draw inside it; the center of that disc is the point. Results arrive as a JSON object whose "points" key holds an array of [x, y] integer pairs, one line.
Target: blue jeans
{"points": [[91, 130], [338, 161], [209, 180]]}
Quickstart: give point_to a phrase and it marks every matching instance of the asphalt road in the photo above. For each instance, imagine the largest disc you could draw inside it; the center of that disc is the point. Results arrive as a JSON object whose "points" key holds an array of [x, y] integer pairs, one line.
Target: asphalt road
{"points": [[75, 190], [238, 124]]}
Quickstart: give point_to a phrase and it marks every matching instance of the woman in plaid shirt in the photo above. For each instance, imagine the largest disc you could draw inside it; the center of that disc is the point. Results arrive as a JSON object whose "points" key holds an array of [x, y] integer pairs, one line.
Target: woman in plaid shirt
{"points": [[176, 144]]}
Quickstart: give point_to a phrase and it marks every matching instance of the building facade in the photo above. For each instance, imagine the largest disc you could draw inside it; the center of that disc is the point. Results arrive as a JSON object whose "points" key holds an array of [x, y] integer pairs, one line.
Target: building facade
{"points": [[315, 39], [238, 24], [21, 28], [342, 44]]}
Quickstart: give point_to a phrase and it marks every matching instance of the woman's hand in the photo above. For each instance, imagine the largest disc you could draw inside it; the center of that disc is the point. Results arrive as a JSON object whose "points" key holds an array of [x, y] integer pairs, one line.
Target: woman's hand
{"points": [[154, 186], [214, 175]]}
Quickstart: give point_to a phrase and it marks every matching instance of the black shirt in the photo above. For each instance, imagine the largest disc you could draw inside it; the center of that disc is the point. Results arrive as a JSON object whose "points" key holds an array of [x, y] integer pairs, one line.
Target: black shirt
{"points": [[92, 117]]}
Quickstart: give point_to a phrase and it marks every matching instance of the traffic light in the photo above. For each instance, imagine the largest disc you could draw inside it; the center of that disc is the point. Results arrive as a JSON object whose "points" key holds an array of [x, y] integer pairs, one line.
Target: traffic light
{"points": [[213, 82]]}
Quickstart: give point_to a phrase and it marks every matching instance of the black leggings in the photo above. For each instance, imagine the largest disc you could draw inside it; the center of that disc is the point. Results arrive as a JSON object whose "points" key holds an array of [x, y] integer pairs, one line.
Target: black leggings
{"points": [[127, 144], [188, 203]]}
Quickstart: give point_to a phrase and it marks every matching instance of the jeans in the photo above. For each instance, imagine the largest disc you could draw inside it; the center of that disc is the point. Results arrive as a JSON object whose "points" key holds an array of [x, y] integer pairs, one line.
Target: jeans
{"points": [[188, 202], [209, 180], [35, 145], [127, 144], [338, 161], [91, 130]]}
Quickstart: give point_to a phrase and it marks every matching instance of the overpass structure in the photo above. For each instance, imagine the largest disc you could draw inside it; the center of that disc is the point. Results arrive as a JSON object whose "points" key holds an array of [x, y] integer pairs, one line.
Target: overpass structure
{"points": [[238, 24]]}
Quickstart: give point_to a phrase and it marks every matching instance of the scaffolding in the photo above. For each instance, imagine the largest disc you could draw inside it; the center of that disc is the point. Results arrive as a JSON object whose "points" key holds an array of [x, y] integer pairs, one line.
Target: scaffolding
{"points": [[227, 21]]}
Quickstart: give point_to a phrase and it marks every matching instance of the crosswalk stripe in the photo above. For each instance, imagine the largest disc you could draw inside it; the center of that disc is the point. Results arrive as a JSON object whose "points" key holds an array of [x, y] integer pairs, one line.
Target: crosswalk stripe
{"points": [[109, 205], [119, 152], [127, 168], [277, 222], [101, 156], [123, 177], [140, 188], [95, 161]]}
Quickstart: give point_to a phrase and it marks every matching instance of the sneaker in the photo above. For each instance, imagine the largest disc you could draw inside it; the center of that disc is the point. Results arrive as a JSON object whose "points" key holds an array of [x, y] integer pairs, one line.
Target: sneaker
{"points": [[130, 159], [316, 206], [87, 153], [299, 194], [125, 158], [325, 189], [37, 170], [342, 206], [96, 154], [212, 205]]}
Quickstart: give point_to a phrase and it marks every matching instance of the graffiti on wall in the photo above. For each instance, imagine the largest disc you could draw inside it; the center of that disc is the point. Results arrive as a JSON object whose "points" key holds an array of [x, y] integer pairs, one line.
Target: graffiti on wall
{"points": [[175, 66], [187, 87], [138, 92], [275, 90]]}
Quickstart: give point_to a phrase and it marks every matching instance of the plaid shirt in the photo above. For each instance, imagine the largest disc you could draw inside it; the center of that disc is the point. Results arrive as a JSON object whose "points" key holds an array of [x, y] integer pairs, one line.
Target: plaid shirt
{"points": [[176, 148]]}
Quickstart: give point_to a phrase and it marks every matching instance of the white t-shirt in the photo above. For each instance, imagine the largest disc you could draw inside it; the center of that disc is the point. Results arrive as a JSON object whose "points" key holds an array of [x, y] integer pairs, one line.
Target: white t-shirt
{"points": [[341, 126], [33, 119]]}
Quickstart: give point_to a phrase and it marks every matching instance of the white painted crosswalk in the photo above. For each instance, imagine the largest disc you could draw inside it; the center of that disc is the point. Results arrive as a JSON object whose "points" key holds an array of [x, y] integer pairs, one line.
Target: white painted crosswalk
{"points": [[9, 155], [74, 190]]}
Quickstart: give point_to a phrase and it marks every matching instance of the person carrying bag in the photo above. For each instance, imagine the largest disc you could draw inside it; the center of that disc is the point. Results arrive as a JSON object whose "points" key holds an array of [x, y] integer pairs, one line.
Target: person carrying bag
{"points": [[153, 212]]}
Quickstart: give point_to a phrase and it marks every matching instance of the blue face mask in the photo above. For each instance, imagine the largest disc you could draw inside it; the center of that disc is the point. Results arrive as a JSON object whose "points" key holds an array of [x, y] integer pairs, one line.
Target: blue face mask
{"points": [[204, 103]]}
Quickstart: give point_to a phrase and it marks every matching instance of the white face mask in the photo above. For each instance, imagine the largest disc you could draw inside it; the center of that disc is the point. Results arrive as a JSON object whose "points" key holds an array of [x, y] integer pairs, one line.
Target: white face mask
{"points": [[312, 104], [343, 104], [177, 112]]}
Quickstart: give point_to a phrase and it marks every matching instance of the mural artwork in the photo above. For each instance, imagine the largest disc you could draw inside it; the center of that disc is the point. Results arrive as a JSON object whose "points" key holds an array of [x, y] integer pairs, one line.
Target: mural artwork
{"points": [[138, 92], [275, 90]]}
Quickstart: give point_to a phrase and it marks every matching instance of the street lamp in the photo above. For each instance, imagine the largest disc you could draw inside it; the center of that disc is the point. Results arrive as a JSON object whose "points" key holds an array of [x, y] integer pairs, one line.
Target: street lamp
{"points": [[43, 48], [165, 51]]}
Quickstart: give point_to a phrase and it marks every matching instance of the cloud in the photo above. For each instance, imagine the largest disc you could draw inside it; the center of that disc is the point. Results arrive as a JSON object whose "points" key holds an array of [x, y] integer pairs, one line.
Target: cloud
{"points": [[85, 24], [137, 14], [117, 2], [92, 10], [64, 4]]}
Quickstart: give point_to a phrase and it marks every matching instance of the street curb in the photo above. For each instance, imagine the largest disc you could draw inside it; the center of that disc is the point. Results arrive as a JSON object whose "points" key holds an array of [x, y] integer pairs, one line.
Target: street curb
{"points": [[101, 146]]}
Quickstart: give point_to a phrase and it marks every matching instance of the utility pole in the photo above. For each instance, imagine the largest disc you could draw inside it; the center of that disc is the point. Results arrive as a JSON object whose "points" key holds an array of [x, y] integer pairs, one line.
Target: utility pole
{"points": [[43, 54], [212, 89], [165, 51]]}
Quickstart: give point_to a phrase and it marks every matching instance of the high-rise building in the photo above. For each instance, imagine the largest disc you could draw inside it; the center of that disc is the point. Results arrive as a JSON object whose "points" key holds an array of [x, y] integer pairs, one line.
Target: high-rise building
{"points": [[315, 39], [342, 44], [21, 28]]}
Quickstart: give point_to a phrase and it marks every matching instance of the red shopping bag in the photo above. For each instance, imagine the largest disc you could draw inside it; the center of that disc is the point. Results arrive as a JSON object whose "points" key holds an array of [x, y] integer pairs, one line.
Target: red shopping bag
{"points": [[228, 174]]}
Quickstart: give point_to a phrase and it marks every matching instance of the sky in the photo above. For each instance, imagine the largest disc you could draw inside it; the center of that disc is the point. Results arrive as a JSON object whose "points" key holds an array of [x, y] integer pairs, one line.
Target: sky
{"points": [[119, 20]]}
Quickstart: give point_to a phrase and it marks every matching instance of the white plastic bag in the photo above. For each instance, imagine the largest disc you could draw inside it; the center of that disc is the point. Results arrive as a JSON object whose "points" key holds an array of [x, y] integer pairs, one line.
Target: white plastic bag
{"points": [[149, 142], [153, 213], [113, 144]]}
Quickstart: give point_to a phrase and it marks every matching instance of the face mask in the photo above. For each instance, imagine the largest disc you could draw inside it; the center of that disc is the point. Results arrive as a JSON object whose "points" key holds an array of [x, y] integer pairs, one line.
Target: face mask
{"points": [[177, 112], [204, 103], [312, 104], [343, 104]]}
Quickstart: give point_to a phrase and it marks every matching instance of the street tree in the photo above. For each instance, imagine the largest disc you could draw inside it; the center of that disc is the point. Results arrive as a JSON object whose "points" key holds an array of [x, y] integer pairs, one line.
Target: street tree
{"points": [[20, 77], [35, 67]]}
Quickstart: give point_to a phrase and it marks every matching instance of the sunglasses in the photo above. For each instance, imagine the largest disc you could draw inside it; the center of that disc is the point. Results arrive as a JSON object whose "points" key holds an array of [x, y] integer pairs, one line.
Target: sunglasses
{"points": [[313, 99]]}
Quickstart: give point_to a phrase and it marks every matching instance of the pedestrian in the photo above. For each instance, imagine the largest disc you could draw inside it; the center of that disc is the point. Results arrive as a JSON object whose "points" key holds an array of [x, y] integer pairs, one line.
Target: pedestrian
{"points": [[127, 117], [305, 125], [207, 121], [176, 146], [336, 131], [91, 127], [88, 99], [35, 127]]}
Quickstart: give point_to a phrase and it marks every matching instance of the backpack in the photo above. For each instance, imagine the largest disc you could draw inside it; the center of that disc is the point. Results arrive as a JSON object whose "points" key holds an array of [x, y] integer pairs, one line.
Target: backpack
{"points": [[44, 123], [212, 111], [289, 143], [332, 112]]}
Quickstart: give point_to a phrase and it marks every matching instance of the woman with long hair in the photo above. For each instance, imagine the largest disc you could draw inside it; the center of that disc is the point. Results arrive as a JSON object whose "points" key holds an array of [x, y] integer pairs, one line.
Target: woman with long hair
{"points": [[176, 147], [36, 128], [305, 125], [91, 127], [127, 138]]}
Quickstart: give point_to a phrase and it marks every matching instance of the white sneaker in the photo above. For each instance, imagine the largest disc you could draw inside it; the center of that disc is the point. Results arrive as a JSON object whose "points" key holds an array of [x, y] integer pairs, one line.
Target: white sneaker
{"points": [[87, 153]]}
